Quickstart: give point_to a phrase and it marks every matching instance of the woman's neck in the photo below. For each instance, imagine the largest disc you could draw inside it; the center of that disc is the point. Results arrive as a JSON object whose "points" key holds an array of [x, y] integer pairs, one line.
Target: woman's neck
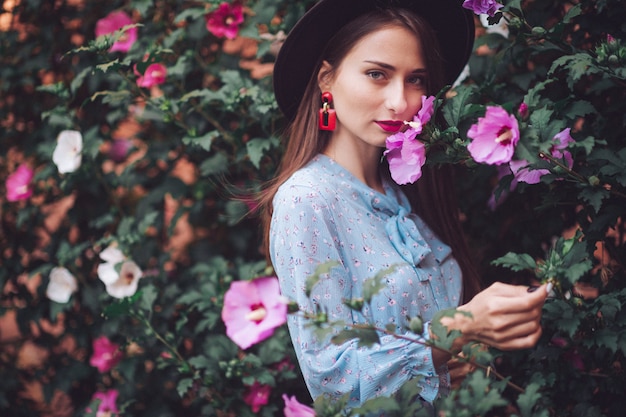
{"points": [[361, 161]]}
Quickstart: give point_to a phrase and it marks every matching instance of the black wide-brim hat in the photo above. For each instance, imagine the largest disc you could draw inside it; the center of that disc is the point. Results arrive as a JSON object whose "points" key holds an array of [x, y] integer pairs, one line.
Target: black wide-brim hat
{"points": [[299, 55]]}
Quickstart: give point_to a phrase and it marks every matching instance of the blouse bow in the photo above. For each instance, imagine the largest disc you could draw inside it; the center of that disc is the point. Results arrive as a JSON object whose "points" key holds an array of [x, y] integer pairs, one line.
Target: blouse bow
{"points": [[403, 232]]}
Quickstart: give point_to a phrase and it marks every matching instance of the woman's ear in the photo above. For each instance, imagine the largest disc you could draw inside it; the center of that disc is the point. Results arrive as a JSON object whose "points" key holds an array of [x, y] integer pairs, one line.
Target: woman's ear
{"points": [[324, 76]]}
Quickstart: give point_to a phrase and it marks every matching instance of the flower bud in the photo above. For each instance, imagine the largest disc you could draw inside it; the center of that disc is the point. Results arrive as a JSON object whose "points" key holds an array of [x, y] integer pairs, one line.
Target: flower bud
{"points": [[416, 325], [292, 307], [593, 180], [355, 304], [515, 23], [538, 31], [523, 110]]}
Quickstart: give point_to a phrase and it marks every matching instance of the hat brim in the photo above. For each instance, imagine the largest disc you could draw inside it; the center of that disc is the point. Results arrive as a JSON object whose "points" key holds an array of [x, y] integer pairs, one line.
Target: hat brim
{"points": [[453, 26]]}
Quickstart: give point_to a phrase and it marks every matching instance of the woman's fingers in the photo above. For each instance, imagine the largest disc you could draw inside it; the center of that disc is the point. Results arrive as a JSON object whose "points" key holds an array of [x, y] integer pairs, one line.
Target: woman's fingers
{"points": [[505, 316], [458, 370]]}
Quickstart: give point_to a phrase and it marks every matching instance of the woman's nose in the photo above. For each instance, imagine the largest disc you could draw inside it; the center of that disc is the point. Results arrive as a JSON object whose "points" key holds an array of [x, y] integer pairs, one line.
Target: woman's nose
{"points": [[396, 99]]}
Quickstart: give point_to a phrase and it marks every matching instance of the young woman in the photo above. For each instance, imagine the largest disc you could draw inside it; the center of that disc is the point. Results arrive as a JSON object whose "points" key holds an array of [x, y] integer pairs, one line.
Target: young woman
{"points": [[348, 75]]}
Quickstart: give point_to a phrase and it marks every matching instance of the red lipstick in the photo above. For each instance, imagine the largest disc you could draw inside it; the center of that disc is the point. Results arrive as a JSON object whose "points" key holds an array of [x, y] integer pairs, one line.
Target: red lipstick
{"points": [[391, 126]]}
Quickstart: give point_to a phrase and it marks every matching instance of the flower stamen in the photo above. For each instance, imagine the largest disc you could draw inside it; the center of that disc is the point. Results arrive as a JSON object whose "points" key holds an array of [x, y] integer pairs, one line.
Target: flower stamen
{"points": [[257, 314], [504, 136]]}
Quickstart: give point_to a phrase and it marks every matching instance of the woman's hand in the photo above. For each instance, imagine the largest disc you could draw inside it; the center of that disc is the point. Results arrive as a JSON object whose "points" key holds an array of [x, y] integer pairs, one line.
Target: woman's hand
{"points": [[458, 370], [504, 316]]}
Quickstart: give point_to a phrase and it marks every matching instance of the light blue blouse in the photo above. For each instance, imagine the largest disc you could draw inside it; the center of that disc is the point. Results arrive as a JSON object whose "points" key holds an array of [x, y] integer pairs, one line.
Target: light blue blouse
{"points": [[323, 213]]}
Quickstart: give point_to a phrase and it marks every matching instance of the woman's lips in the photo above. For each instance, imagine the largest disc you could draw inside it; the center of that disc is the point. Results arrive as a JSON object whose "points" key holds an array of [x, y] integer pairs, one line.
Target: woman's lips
{"points": [[392, 126]]}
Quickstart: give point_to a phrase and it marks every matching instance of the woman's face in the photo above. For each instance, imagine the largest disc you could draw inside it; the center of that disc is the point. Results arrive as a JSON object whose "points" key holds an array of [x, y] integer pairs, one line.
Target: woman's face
{"points": [[378, 85]]}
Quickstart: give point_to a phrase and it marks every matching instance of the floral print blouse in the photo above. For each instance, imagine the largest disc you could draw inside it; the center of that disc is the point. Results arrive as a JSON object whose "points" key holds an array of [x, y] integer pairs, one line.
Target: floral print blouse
{"points": [[323, 213]]}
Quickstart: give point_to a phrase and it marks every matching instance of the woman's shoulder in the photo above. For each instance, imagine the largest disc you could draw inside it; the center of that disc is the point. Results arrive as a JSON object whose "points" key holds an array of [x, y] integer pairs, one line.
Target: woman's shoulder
{"points": [[313, 182]]}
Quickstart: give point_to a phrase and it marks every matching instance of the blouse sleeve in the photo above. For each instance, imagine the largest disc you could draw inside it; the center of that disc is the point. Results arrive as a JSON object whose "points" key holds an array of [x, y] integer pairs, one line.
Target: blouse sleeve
{"points": [[303, 235]]}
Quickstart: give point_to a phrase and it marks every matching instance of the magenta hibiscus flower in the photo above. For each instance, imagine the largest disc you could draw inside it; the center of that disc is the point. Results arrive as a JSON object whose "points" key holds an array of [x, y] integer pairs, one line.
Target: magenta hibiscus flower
{"points": [[494, 137], [106, 354], [252, 310], [155, 74], [225, 20], [489, 7], [295, 409], [257, 396], [524, 173], [406, 156], [108, 402], [405, 153], [18, 183], [115, 21]]}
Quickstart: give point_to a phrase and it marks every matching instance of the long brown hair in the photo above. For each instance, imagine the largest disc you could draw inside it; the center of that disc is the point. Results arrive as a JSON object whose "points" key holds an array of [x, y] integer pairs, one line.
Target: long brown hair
{"points": [[432, 197]]}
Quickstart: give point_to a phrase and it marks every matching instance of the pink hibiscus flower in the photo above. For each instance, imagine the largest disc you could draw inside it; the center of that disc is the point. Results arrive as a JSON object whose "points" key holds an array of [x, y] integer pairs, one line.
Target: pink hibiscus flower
{"points": [[257, 396], [225, 20], [406, 155], [155, 74], [524, 173], [252, 310], [113, 22], [494, 137], [108, 403], [18, 183], [106, 354], [489, 7], [295, 409], [119, 149]]}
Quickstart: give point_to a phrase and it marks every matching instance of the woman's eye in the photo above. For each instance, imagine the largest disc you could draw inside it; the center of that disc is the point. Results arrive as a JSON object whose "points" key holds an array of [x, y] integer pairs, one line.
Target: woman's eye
{"points": [[417, 80], [375, 75]]}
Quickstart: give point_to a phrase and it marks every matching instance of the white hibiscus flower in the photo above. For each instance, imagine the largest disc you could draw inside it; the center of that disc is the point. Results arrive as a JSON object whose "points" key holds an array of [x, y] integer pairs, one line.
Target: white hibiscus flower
{"points": [[120, 281], [61, 285], [67, 154]]}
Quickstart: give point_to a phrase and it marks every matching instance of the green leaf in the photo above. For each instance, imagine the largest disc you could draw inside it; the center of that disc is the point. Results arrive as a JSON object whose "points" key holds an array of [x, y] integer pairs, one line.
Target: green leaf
{"points": [[92, 143], [377, 405], [573, 12], [142, 6], [579, 108], [111, 97], [205, 141], [575, 66], [183, 386], [594, 196], [109, 66], [257, 148], [528, 399], [516, 262], [149, 294], [216, 164], [147, 220], [122, 307], [610, 306], [367, 336], [533, 97], [205, 94], [607, 338], [576, 271], [374, 285], [201, 362], [547, 128], [568, 322], [484, 396], [191, 14], [442, 336], [454, 108], [322, 269]]}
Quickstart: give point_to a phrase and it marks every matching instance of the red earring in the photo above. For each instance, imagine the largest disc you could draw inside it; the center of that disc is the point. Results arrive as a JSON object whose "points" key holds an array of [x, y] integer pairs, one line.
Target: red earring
{"points": [[328, 118]]}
